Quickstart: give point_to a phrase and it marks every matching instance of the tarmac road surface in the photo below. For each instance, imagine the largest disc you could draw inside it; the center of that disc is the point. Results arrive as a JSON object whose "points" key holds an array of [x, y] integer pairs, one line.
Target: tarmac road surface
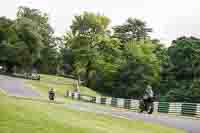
{"points": [[16, 87]]}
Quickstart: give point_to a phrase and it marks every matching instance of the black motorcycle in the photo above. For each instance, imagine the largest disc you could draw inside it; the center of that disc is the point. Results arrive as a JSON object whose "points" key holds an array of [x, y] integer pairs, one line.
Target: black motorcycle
{"points": [[146, 105], [51, 95]]}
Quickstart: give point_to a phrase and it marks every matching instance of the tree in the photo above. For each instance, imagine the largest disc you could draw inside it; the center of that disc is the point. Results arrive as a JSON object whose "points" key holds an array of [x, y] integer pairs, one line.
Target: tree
{"points": [[7, 43], [107, 62], [182, 74], [132, 29], [48, 41], [41, 19], [29, 42], [86, 30], [6, 29], [87, 23], [141, 67]]}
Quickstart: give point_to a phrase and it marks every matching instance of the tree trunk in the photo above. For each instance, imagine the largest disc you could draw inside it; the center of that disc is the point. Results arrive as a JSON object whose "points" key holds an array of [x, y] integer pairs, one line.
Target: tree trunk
{"points": [[87, 74]]}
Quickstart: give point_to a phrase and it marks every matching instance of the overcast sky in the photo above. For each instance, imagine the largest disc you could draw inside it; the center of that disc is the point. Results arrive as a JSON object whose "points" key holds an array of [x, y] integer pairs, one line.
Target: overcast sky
{"points": [[168, 18]]}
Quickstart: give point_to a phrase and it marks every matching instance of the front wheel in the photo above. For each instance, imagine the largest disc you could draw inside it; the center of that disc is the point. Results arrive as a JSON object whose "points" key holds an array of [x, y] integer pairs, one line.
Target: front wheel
{"points": [[150, 108], [141, 106]]}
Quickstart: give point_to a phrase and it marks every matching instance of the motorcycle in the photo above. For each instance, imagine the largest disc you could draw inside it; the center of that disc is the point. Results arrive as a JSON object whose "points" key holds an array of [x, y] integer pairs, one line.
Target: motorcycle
{"points": [[147, 106]]}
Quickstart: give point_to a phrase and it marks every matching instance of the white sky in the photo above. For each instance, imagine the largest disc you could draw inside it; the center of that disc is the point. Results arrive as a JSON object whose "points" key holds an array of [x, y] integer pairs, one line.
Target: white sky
{"points": [[168, 18]]}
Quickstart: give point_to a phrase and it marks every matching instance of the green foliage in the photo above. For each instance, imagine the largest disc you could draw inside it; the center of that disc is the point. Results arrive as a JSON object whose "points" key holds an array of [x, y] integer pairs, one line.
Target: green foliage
{"points": [[119, 63], [89, 23], [40, 19], [8, 38], [86, 40], [141, 68], [28, 42], [181, 75], [46, 59], [132, 29]]}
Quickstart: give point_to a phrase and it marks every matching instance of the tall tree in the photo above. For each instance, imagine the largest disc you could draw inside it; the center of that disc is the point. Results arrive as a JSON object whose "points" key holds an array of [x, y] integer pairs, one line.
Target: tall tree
{"points": [[41, 19], [183, 73], [89, 23], [7, 43], [29, 42], [86, 29], [141, 67], [132, 29], [49, 49]]}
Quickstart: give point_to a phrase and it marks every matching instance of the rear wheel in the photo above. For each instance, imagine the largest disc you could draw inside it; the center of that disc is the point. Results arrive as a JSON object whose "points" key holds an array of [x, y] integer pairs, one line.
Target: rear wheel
{"points": [[141, 106], [150, 108]]}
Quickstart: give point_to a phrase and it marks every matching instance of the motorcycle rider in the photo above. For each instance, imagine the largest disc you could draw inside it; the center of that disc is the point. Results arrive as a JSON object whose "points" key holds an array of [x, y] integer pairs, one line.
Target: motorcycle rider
{"points": [[148, 97], [51, 94]]}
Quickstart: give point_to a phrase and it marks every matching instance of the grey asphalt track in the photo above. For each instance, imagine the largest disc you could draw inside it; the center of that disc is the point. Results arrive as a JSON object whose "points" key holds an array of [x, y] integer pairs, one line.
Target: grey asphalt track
{"points": [[16, 87], [187, 124]]}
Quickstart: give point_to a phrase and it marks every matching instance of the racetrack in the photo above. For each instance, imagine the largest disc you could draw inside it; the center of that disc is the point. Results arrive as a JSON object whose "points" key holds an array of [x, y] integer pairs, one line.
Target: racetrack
{"points": [[187, 124], [17, 87]]}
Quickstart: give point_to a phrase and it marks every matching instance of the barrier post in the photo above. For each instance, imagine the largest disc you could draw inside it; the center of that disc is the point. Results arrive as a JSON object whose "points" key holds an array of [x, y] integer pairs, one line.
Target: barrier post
{"points": [[198, 111], [120, 102], [108, 101], [156, 107], [98, 100]]}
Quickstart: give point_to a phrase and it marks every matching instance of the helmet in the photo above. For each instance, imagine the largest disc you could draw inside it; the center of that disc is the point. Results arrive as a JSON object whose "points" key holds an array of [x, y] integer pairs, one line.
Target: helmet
{"points": [[149, 87]]}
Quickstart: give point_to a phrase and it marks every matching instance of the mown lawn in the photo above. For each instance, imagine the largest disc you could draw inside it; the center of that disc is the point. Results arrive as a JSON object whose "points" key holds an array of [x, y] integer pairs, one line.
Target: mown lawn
{"points": [[60, 84], [23, 116]]}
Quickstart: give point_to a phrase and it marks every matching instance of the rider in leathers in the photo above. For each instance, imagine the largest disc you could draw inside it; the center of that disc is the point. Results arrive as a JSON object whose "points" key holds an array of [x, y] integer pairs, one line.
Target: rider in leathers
{"points": [[148, 96]]}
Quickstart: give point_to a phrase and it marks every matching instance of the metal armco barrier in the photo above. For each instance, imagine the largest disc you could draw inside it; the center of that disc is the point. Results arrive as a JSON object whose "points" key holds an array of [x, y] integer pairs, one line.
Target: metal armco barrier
{"points": [[163, 107], [103, 100], [198, 110], [182, 109], [114, 102], [127, 104], [31, 77], [189, 109]]}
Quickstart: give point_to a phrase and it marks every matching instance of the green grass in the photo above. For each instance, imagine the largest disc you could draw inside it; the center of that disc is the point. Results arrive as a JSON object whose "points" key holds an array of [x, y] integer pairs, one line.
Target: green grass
{"points": [[60, 84], [1, 92], [26, 116]]}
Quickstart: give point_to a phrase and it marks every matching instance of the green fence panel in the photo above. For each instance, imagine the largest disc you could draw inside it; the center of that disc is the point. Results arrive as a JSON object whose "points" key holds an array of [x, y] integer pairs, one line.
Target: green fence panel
{"points": [[189, 109], [163, 107], [127, 104]]}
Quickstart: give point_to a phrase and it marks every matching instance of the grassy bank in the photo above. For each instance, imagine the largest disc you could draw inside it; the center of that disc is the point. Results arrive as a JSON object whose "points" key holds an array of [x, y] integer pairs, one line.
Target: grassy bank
{"points": [[60, 84], [24, 116]]}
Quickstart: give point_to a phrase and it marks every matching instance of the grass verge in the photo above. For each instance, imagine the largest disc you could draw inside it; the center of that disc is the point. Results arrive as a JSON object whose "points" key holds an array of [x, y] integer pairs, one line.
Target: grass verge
{"points": [[60, 84], [22, 116]]}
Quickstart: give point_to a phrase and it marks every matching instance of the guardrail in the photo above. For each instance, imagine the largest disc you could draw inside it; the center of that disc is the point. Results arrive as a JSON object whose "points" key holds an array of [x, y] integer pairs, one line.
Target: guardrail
{"points": [[27, 76], [182, 109]]}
